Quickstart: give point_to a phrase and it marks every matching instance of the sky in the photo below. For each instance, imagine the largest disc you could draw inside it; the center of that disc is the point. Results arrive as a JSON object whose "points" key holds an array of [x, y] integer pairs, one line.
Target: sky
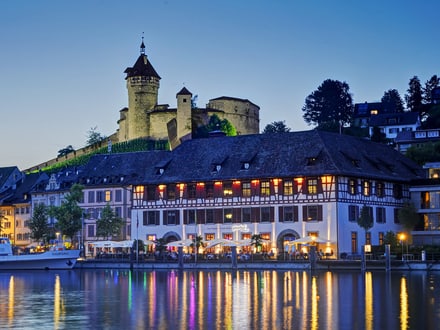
{"points": [[62, 62]]}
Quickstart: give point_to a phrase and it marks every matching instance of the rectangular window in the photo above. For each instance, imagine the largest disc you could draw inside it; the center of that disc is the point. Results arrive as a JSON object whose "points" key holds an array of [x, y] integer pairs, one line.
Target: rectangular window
{"points": [[265, 214], [192, 191], [246, 189], [288, 188], [246, 214], [209, 236], [312, 213], [368, 238], [396, 215], [209, 190], [288, 214], [353, 242], [118, 211], [380, 215], [108, 195], [312, 186], [91, 196], [118, 195], [90, 230], [191, 217], [171, 192], [171, 217], [265, 188], [380, 189], [353, 213], [381, 237], [150, 218], [397, 191], [227, 215], [99, 196], [366, 188], [209, 216], [151, 193], [227, 189]]}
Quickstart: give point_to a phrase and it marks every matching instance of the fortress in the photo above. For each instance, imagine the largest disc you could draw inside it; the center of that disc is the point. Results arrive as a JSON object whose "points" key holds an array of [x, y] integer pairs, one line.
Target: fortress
{"points": [[145, 118]]}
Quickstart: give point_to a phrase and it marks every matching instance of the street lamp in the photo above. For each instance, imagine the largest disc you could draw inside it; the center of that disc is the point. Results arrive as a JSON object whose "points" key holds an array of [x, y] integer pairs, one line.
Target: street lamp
{"points": [[402, 238]]}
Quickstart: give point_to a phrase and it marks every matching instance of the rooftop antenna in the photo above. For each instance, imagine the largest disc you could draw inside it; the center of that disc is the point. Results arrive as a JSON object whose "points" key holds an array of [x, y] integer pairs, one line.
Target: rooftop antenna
{"points": [[142, 45]]}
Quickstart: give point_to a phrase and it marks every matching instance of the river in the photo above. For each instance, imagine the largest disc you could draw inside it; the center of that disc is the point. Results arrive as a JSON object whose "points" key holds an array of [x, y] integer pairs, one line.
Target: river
{"points": [[124, 299]]}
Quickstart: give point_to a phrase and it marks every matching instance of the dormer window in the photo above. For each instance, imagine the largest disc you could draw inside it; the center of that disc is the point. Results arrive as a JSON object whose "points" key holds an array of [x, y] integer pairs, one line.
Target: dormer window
{"points": [[218, 167], [246, 166], [160, 171], [311, 161]]}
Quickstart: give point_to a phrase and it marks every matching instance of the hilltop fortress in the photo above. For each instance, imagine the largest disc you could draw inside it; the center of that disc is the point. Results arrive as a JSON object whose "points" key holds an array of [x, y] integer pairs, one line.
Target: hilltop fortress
{"points": [[145, 118]]}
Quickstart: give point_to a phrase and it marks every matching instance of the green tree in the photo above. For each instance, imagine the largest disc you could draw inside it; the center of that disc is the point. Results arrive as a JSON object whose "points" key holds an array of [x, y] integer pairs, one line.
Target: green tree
{"points": [[331, 102], [94, 137], [365, 219], [109, 224], [429, 86], [414, 95], [392, 102], [257, 241], [408, 216], [160, 247], [215, 124], [69, 214], [65, 151], [391, 239], [427, 152], [38, 224], [138, 245], [276, 127]]}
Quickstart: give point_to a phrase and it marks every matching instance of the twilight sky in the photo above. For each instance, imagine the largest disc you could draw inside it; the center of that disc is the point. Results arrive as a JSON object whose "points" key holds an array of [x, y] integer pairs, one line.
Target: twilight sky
{"points": [[62, 62]]}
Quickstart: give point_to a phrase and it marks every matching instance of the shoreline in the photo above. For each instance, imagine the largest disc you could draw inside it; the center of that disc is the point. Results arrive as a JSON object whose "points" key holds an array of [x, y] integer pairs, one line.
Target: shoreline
{"points": [[328, 265]]}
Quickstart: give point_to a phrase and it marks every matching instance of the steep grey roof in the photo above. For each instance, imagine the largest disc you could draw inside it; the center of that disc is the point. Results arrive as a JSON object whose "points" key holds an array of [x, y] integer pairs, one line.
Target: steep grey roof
{"points": [[24, 188], [123, 168], [290, 154], [142, 67]]}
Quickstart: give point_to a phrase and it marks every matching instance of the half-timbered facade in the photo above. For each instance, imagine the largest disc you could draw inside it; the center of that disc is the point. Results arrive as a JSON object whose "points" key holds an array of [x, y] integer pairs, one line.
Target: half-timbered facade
{"points": [[283, 186]]}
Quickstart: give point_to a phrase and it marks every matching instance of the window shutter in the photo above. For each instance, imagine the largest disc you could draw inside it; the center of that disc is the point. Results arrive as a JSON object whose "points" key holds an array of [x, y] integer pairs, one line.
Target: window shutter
{"points": [[304, 212], [272, 214], [281, 214]]}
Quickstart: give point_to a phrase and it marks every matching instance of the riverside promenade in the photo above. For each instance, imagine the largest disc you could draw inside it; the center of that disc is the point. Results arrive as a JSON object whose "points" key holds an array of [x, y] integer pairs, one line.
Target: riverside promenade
{"points": [[328, 265]]}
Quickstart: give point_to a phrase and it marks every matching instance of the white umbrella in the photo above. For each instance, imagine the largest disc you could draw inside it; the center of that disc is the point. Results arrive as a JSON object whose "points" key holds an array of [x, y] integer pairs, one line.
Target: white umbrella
{"points": [[103, 244], [184, 242]]}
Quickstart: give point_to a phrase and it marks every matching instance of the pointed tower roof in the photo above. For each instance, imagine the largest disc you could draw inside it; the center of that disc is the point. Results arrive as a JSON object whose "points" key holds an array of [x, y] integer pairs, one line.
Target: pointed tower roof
{"points": [[184, 91], [142, 67]]}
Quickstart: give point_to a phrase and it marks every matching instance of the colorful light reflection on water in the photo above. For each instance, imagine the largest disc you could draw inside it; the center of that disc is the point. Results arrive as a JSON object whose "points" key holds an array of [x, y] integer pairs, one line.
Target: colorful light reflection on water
{"points": [[98, 299]]}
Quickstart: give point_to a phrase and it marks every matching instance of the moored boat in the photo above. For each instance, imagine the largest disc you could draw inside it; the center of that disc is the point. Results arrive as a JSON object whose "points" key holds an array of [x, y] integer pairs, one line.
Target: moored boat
{"points": [[55, 258]]}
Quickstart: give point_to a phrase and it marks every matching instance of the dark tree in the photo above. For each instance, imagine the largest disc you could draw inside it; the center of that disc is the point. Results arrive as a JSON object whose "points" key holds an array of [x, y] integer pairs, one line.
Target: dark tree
{"points": [[276, 127], [414, 95], [94, 137], [65, 151], [215, 124], [408, 216], [109, 224], [331, 102], [365, 219], [69, 214], [38, 223], [429, 86], [378, 135], [392, 102]]}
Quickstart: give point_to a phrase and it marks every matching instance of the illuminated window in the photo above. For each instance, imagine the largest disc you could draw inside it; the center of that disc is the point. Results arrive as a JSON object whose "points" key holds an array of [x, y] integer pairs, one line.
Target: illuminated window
{"points": [[227, 215], [381, 238], [312, 186], [352, 186], [366, 188], [288, 188], [108, 195], [265, 188], [209, 236], [228, 236], [368, 238], [227, 189], [246, 189]]}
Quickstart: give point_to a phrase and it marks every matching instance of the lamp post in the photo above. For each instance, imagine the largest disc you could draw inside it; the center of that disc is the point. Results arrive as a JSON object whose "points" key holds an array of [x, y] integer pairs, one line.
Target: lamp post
{"points": [[402, 238]]}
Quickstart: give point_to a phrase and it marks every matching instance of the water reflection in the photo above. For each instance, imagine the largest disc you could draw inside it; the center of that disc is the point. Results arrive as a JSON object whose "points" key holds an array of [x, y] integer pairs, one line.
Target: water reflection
{"points": [[219, 300]]}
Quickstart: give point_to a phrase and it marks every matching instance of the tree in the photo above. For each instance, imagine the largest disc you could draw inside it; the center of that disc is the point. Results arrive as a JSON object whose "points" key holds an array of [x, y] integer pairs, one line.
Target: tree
{"points": [[160, 247], [276, 127], [65, 151], [215, 124], [391, 239], [414, 97], [109, 224], [392, 102], [365, 219], [94, 137], [331, 102], [138, 246], [69, 214], [257, 241], [408, 216], [38, 223], [378, 135], [429, 86]]}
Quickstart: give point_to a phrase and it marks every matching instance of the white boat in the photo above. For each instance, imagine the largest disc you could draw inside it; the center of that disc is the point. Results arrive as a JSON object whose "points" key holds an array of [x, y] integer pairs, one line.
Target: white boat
{"points": [[56, 258]]}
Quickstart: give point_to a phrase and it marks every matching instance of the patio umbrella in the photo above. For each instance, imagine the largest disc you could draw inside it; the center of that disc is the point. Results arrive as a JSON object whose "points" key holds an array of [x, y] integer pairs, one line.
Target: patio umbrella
{"points": [[184, 242], [216, 241], [103, 244]]}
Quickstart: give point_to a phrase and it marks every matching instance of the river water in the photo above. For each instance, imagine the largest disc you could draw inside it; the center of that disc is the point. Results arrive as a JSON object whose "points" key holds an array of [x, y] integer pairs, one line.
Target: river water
{"points": [[123, 299]]}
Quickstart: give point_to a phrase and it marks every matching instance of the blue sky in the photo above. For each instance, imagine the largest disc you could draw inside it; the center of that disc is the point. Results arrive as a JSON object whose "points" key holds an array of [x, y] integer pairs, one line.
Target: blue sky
{"points": [[62, 62]]}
